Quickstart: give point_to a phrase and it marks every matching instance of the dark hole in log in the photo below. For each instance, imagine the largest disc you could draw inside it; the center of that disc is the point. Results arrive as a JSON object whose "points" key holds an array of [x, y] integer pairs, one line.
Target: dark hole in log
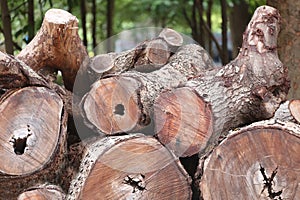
{"points": [[20, 145], [119, 109], [268, 184]]}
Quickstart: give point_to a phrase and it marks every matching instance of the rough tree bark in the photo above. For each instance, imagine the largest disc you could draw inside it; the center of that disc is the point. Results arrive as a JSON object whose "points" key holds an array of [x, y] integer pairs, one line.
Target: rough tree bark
{"points": [[264, 162], [127, 99], [249, 88], [57, 45], [129, 167]]}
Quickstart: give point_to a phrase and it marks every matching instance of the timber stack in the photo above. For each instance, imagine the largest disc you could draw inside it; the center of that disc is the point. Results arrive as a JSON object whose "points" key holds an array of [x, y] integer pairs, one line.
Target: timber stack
{"points": [[158, 121]]}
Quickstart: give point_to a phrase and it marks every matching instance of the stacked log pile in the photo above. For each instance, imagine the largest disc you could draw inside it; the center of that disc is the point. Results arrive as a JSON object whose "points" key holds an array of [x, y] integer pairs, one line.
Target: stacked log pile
{"points": [[158, 121]]}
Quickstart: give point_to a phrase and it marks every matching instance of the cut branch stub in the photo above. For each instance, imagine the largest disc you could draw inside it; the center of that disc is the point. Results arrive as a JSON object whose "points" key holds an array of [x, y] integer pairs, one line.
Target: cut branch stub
{"points": [[112, 106], [134, 93], [130, 167], [173, 38], [183, 121], [249, 88], [33, 126], [57, 45], [260, 161]]}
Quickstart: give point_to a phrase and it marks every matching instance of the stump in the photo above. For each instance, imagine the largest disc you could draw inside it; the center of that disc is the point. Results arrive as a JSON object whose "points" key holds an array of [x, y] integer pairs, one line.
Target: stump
{"points": [[260, 161], [130, 167], [33, 125]]}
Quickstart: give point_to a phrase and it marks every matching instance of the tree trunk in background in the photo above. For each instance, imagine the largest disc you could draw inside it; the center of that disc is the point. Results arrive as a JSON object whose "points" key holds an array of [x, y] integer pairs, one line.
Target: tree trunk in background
{"points": [[83, 21], [224, 55], [199, 5], [288, 41], [94, 21], [238, 19], [208, 19], [6, 23], [30, 20], [110, 23]]}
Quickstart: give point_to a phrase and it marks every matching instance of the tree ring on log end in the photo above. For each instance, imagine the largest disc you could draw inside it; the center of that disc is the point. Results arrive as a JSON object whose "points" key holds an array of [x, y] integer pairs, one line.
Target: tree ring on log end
{"points": [[183, 121], [112, 105], [30, 124], [134, 168], [257, 162]]}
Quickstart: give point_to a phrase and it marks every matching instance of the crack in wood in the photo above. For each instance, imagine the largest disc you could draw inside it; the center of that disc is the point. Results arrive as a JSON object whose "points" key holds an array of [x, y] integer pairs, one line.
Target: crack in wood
{"points": [[268, 184]]}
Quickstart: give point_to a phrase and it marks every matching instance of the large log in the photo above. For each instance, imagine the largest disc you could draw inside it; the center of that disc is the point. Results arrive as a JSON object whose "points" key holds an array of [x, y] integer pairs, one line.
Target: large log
{"points": [[129, 167], [57, 45], [249, 88], [127, 99], [260, 161], [33, 139]]}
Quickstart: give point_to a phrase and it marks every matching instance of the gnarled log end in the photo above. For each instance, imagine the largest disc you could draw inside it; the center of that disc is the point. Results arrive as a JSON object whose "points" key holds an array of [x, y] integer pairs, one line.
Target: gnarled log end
{"points": [[112, 105], [183, 121]]}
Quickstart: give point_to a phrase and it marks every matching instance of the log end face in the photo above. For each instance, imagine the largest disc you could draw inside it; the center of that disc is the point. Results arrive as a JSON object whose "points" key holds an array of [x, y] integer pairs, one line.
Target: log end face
{"points": [[136, 168], [31, 117], [112, 105], [294, 107], [262, 158], [183, 121]]}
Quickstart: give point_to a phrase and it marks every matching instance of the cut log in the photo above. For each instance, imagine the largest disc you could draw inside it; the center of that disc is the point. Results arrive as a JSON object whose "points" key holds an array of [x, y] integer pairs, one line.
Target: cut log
{"points": [[260, 161], [43, 192], [145, 57], [130, 167], [173, 38], [294, 108], [57, 45], [248, 89], [127, 99], [33, 125]]}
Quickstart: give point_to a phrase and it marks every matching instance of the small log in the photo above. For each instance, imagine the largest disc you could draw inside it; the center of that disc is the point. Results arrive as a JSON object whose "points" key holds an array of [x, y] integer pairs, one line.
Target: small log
{"points": [[145, 57], [173, 38], [248, 89], [130, 167], [33, 138], [127, 99], [260, 161], [57, 45], [43, 192]]}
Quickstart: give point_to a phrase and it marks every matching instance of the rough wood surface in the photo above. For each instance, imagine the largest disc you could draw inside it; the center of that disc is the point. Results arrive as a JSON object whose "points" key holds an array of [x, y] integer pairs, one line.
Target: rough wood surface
{"points": [[260, 161], [127, 99], [248, 89], [43, 192], [33, 125], [57, 45], [130, 167]]}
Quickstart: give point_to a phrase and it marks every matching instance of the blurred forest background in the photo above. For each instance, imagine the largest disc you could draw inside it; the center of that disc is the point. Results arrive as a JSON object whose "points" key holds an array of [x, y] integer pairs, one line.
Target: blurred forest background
{"points": [[217, 25], [208, 22]]}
